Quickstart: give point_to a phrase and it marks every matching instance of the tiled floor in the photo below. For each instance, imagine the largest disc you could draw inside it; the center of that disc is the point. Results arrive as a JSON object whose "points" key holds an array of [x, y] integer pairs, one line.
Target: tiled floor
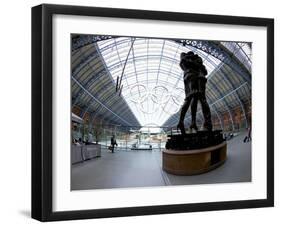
{"points": [[144, 169]]}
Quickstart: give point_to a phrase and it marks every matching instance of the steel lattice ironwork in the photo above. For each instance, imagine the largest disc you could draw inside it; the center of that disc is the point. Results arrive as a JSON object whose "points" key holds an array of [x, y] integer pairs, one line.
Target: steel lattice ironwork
{"points": [[151, 79]]}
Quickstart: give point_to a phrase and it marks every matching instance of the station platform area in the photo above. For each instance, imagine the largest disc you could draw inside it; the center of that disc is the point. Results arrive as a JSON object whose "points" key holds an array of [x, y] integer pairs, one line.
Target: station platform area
{"points": [[143, 168]]}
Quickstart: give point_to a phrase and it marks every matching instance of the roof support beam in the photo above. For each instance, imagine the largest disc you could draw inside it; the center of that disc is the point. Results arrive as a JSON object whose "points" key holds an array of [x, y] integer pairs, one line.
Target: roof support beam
{"points": [[95, 99]]}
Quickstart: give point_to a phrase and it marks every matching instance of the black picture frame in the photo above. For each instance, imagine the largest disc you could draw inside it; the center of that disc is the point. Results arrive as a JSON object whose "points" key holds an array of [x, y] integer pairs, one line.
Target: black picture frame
{"points": [[42, 107]]}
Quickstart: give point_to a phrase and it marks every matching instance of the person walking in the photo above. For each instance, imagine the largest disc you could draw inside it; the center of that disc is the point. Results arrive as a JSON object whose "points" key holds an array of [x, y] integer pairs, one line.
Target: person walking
{"points": [[113, 143], [248, 137]]}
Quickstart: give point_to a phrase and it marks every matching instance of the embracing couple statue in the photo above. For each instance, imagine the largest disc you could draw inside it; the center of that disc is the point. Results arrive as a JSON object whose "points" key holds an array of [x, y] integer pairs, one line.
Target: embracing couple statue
{"points": [[195, 85]]}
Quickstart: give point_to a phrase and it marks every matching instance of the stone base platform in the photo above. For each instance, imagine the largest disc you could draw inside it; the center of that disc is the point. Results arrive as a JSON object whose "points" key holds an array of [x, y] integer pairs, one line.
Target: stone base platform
{"points": [[196, 161]]}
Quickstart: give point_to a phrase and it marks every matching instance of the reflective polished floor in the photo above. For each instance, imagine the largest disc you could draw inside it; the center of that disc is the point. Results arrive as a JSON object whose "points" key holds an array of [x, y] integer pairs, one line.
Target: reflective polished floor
{"points": [[127, 168]]}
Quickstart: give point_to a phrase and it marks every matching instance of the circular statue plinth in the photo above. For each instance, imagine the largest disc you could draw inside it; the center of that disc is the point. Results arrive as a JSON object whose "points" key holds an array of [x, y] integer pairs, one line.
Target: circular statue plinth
{"points": [[196, 161]]}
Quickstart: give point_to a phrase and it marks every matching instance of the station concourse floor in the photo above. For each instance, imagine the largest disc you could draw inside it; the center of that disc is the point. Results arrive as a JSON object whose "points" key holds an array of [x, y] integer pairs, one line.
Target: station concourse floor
{"points": [[124, 169]]}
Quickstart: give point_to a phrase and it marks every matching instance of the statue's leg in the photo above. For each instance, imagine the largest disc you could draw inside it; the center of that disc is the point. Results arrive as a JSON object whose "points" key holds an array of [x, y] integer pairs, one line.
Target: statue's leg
{"points": [[184, 109], [206, 112], [193, 113]]}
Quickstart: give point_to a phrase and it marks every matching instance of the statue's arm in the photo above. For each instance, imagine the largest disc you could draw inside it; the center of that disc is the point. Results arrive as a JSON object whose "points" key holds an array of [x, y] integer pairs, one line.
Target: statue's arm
{"points": [[182, 65]]}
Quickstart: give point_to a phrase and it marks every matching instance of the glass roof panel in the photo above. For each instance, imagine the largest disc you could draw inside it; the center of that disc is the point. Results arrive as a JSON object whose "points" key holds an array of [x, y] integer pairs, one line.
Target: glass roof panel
{"points": [[242, 50]]}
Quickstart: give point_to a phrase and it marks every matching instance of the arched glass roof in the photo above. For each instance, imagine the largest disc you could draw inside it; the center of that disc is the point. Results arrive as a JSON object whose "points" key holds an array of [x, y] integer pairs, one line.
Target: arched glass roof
{"points": [[152, 81], [152, 78]]}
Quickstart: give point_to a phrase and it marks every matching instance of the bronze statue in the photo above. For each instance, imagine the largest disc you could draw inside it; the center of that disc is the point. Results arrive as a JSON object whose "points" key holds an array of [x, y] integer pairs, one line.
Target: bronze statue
{"points": [[195, 85]]}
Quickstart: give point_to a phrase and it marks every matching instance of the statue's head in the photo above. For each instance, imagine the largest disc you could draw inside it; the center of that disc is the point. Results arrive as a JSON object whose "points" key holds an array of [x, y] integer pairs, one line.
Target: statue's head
{"points": [[190, 53], [183, 55]]}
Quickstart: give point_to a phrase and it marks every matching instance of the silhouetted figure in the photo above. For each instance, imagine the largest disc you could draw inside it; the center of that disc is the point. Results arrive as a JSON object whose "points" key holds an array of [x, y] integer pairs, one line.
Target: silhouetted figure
{"points": [[113, 143], [195, 85], [248, 137]]}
